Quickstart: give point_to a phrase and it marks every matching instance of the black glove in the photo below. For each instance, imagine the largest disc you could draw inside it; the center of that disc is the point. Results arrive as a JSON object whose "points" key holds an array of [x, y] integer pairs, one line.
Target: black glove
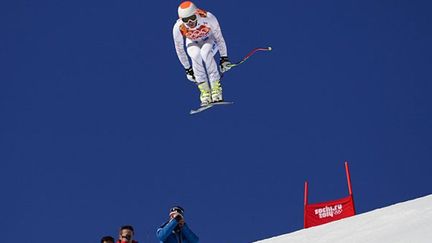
{"points": [[190, 74], [225, 64]]}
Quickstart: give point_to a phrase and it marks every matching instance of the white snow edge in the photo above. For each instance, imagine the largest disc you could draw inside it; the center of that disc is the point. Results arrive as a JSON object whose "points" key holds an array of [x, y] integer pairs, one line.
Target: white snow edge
{"points": [[407, 222]]}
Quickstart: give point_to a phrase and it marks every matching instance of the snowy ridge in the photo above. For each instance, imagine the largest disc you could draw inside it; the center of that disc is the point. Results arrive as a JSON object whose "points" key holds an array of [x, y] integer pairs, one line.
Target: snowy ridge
{"points": [[407, 222]]}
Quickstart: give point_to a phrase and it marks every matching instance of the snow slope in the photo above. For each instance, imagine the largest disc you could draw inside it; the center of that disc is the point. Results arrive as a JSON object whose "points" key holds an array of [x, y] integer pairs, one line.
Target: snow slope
{"points": [[407, 222]]}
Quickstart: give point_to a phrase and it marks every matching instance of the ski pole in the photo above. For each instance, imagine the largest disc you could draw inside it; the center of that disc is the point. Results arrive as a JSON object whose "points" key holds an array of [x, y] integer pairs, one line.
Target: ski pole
{"points": [[249, 55]]}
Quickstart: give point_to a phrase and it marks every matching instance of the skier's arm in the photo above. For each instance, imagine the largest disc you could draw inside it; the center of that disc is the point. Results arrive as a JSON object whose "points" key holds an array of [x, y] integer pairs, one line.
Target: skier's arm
{"points": [[191, 236], [217, 34], [163, 232], [179, 46]]}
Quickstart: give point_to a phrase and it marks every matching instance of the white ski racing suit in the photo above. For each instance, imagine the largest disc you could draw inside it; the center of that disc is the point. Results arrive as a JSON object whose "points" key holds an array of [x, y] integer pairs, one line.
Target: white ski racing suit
{"points": [[202, 43]]}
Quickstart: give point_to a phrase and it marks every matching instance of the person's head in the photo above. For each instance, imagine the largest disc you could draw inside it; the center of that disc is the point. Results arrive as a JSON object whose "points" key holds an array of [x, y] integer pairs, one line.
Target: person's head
{"points": [[177, 209], [107, 239], [126, 233], [187, 13], [177, 213]]}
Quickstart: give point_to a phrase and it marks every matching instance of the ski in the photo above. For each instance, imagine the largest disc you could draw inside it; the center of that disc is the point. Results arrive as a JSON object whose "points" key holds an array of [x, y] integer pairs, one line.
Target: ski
{"points": [[203, 108], [223, 103]]}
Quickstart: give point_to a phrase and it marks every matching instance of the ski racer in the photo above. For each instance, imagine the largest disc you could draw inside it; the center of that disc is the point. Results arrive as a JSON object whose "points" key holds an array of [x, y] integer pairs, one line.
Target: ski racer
{"points": [[197, 34]]}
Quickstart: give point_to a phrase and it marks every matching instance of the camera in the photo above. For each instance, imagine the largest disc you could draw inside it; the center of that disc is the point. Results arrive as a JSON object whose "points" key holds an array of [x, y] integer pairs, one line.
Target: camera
{"points": [[179, 217]]}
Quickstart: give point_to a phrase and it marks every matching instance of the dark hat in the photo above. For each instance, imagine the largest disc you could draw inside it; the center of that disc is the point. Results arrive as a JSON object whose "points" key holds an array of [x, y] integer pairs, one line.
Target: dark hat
{"points": [[177, 209], [129, 227]]}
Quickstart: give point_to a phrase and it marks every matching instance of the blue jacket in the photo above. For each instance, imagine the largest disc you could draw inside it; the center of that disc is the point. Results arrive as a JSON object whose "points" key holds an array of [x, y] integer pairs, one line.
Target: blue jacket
{"points": [[167, 234]]}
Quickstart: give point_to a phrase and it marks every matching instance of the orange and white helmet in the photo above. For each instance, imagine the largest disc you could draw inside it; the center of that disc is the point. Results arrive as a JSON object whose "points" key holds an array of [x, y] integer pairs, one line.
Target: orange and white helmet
{"points": [[186, 9]]}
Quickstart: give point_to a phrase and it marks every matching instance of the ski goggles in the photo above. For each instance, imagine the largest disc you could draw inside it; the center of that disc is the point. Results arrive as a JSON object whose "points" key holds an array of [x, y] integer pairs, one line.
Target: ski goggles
{"points": [[187, 19]]}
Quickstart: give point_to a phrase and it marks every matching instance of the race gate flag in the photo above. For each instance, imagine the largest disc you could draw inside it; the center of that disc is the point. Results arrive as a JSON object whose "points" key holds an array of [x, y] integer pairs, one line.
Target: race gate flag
{"points": [[325, 212]]}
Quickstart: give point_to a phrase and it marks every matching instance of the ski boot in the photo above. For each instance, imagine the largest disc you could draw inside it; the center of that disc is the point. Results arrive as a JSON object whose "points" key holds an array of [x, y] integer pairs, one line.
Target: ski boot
{"points": [[216, 92], [205, 96]]}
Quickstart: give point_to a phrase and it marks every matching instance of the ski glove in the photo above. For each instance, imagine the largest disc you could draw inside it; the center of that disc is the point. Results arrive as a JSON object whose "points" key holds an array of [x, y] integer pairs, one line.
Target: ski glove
{"points": [[190, 74], [225, 64]]}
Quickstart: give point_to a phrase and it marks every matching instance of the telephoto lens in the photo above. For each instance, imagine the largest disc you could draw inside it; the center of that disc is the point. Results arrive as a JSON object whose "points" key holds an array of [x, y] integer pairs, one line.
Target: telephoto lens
{"points": [[178, 217]]}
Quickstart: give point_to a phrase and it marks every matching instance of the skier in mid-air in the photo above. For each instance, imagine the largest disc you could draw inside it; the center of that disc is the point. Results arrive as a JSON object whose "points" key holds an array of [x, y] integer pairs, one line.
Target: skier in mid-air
{"points": [[204, 39]]}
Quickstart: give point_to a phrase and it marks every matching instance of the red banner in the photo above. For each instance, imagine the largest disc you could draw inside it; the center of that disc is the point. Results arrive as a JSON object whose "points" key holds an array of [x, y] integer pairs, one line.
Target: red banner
{"points": [[321, 213]]}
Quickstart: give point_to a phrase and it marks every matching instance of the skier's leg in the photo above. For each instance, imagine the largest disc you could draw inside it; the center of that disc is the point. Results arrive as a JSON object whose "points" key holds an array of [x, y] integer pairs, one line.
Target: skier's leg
{"points": [[207, 54], [211, 66], [194, 52]]}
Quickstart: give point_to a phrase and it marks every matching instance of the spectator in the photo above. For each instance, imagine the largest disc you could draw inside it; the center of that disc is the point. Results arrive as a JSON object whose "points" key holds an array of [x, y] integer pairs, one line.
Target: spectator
{"points": [[175, 230], [126, 234]]}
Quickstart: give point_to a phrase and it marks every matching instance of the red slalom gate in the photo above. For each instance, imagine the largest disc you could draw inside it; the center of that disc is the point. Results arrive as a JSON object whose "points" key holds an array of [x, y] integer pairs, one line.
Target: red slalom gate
{"points": [[325, 212]]}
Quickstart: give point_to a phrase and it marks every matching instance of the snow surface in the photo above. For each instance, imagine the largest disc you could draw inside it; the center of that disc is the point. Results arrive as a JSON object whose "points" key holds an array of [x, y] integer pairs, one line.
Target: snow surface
{"points": [[407, 222]]}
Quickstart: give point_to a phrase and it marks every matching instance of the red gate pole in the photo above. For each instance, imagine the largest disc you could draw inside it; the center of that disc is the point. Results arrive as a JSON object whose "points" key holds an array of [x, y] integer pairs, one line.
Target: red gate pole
{"points": [[349, 184], [305, 203]]}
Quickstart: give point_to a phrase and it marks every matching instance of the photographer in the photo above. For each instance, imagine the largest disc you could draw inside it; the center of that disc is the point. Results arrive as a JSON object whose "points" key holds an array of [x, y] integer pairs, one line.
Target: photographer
{"points": [[175, 230], [126, 234]]}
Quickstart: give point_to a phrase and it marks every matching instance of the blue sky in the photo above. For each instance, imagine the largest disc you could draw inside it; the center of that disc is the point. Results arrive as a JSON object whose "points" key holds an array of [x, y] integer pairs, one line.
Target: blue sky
{"points": [[95, 131]]}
